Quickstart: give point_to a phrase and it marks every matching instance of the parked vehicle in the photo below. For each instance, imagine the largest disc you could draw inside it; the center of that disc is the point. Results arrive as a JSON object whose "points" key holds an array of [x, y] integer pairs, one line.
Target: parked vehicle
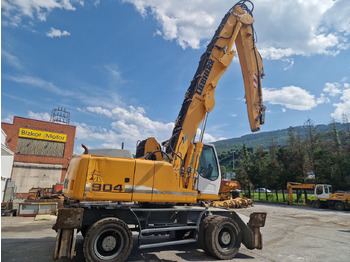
{"points": [[323, 194], [263, 190]]}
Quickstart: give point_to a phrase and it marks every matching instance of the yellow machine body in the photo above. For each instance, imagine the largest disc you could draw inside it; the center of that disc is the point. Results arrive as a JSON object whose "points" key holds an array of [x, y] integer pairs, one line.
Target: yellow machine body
{"points": [[96, 178]]}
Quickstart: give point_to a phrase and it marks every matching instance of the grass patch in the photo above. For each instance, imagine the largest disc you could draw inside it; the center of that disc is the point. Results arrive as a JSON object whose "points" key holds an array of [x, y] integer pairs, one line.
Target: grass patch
{"points": [[272, 198]]}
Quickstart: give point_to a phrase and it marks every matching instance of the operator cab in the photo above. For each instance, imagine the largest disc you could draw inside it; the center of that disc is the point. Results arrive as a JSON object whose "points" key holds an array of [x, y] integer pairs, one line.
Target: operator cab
{"points": [[209, 178], [323, 191]]}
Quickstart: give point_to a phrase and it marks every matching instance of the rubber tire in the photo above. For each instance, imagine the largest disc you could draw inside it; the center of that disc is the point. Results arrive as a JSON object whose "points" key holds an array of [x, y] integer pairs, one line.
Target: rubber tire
{"points": [[201, 233], [215, 234], [92, 242], [317, 204], [339, 206]]}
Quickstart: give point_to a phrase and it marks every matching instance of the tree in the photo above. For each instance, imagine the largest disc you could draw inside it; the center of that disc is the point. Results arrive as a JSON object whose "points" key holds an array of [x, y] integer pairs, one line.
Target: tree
{"points": [[291, 136], [223, 171], [336, 136], [244, 167]]}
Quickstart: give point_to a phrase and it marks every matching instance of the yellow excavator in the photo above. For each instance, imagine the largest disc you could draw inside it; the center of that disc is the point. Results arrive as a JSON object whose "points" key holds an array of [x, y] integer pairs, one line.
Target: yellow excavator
{"points": [[102, 191], [323, 194]]}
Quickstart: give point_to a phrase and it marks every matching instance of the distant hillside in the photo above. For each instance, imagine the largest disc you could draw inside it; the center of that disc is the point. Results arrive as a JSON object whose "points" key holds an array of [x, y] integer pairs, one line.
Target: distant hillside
{"points": [[279, 137]]}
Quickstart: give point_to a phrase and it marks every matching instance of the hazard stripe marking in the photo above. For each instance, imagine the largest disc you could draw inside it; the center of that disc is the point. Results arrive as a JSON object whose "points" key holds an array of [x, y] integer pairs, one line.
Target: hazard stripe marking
{"points": [[255, 81]]}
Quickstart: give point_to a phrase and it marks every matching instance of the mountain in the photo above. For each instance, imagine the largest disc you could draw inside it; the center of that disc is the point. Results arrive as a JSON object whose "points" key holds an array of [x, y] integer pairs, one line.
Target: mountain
{"points": [[279, 137]]}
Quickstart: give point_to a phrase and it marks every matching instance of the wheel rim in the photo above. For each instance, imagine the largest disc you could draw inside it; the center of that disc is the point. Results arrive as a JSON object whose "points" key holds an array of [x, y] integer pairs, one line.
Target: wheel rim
{"points": [[226, 238], [108, 244]]}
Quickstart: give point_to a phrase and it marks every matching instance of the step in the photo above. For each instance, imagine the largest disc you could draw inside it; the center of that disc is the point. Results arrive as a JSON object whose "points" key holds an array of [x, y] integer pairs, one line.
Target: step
{"points": [[164, 229], [169, 243]]}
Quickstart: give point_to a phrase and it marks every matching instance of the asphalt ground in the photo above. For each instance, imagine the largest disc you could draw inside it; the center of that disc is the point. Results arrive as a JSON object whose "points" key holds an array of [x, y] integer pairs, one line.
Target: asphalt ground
{"points": [[290, 234]]}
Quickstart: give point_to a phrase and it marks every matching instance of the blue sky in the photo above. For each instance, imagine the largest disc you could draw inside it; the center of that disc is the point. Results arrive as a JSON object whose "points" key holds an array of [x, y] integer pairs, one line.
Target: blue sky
{"points": [[121, 68]]}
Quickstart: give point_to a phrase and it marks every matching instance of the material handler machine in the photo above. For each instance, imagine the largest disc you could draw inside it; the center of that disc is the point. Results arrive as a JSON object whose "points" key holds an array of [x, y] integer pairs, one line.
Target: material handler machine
{"points": [[324, 196], [159, 191]]}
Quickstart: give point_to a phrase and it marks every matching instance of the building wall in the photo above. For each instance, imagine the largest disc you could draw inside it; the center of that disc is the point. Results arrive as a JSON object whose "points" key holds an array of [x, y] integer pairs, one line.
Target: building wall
{"points": [[42, 151], [28, 175], [6, 163]]}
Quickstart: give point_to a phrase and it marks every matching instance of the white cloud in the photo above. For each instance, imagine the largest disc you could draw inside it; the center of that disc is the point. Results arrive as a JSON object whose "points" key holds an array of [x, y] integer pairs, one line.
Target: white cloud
{"points": [[299, 28], [14, 11], [292, 97], [273, 53], [97, 3], [284, 28], [11, 59], [78, 150], [128, 125], [289, 62], [134, 124], [90, 133], [7, 119], [37, 82], [85, 93], [322, 99], [342, 108], [114, 74], [186, 22], [207, 138], [57, 33], [338, 17], [333, 89], [39, 116]]}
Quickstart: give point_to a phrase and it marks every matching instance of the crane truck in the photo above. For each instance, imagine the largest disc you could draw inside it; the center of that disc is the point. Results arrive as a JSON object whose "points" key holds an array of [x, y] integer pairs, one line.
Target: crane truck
{"points": [[323, 194], [158, 191]]}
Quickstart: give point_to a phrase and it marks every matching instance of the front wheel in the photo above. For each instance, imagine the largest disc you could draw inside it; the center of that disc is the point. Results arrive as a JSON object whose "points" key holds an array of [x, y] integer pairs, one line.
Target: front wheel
{"points": [[223, 238], [109, 239]]}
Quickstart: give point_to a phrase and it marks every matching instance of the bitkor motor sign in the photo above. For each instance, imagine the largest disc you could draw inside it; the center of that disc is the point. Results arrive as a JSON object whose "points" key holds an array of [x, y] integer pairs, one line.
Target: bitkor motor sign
{"points": [[42, 135]]}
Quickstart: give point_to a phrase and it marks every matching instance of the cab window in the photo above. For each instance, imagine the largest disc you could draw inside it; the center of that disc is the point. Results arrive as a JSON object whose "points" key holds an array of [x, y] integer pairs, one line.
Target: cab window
{"points": [[319, 190], [208, 167]]}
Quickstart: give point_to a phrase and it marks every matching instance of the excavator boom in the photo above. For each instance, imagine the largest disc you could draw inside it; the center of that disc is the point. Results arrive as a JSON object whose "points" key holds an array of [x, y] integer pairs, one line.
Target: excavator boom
{"points": [[236, 27]]}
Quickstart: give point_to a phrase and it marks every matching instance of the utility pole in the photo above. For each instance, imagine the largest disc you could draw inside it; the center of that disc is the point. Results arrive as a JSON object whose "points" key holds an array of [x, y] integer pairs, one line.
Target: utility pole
{"points": [[233, 161]]}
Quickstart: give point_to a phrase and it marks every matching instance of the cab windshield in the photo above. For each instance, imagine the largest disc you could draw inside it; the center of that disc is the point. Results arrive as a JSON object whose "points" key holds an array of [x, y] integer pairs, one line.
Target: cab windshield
{"points": [[208, 167]]}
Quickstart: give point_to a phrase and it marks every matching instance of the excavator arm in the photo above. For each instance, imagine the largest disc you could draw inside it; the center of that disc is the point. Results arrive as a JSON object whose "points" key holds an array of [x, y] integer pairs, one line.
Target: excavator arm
{"points": [[295, 185], [236, 27]]}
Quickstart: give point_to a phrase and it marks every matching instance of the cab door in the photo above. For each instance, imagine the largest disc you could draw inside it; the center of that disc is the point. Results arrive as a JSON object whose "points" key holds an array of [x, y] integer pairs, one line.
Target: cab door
{"points": [[209, 178], [322, 191]]}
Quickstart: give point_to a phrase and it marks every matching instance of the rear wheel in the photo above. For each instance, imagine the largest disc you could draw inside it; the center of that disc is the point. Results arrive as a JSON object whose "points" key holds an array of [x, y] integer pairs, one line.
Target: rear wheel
{"points": [[109, 239], [223, 238], [339, 206], [202, 229]]}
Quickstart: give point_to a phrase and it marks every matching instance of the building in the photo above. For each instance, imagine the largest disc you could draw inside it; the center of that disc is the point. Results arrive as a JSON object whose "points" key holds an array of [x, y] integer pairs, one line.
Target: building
{"points": [[42, 152], [6, 163]]}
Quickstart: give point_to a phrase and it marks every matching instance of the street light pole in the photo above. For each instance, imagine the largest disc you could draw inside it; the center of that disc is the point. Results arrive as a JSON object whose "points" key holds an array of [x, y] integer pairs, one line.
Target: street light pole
{"points": [[233, 161]]}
